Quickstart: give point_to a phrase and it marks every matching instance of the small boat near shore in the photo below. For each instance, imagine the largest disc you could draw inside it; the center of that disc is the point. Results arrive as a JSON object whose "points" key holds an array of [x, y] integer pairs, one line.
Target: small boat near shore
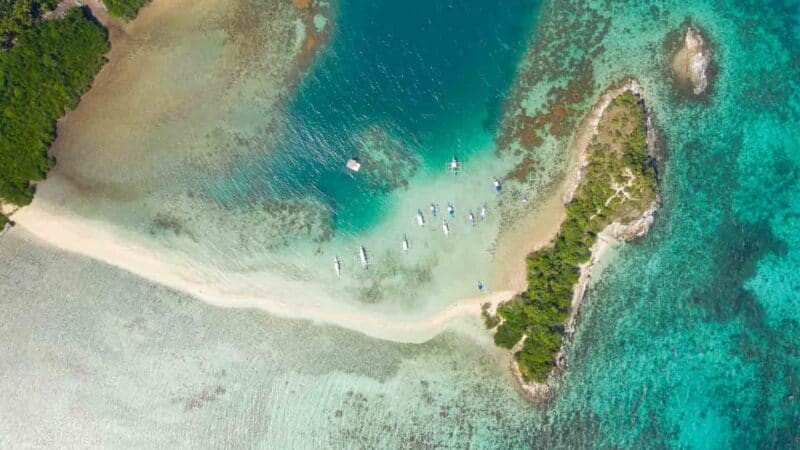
{"points": [[337, 266], [445, 228], [420, 218], [362, 256]]}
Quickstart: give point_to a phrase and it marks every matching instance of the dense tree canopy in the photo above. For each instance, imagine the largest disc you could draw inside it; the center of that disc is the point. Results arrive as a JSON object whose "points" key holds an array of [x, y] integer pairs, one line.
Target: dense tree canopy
{"points": [[51, 64], [16, 15]]}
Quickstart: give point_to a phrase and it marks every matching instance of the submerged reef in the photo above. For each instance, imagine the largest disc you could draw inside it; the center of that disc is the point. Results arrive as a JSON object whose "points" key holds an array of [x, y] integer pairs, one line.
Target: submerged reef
{"points": [[388, 164], [614, 197]]}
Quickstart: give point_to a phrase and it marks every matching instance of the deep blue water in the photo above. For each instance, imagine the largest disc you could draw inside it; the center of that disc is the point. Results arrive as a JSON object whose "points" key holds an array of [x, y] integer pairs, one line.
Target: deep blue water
{"points": [[432, 75]]}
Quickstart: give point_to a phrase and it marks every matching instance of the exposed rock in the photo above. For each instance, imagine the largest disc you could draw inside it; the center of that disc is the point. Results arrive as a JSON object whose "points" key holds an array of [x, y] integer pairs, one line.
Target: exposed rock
{"points": [[691, 61]]}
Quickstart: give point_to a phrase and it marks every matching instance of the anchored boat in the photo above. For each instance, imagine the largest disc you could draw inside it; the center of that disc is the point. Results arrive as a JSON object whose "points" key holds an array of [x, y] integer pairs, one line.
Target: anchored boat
{"points": [[455, 166], [337, 266], [420, 218], [362, 255], [497, 186]]}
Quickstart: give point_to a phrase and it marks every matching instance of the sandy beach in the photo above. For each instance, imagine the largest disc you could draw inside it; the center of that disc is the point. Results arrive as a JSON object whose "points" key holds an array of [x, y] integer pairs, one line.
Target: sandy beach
{"points": [[96, 241]]}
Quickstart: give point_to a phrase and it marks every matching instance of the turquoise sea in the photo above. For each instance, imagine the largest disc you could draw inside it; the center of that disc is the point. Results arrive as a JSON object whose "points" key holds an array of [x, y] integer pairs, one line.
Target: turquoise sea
{"points": [[688, 338]]}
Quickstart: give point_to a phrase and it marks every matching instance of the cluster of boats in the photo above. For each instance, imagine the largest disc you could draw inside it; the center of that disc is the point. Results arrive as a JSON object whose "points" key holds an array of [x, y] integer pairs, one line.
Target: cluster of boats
{"points": [[455, 167], [451, 212]]}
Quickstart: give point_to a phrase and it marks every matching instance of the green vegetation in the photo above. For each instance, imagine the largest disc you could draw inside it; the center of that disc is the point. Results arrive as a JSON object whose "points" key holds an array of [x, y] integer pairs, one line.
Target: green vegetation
{"points": [[489, 320], [127, 9], [17, 15], [619, 184], [51, 64]]}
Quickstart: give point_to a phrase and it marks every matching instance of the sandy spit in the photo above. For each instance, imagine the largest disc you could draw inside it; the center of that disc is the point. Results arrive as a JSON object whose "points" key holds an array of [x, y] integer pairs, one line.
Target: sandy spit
{"points": [[93, 239]]}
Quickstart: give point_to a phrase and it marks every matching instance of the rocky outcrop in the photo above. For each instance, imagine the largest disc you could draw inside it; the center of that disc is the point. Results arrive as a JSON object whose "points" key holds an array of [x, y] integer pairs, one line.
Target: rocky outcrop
{"points": [[691, 61]]}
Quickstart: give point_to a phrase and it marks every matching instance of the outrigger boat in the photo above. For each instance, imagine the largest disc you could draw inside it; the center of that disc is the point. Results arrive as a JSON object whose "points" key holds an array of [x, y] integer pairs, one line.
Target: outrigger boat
{"points": [[337, 266], [455, 166], [483, 212], [405, 244], [471, 218], [420, 219], [451, 210], [433, 210], [497, 186], [445, 228], [362, 255]]}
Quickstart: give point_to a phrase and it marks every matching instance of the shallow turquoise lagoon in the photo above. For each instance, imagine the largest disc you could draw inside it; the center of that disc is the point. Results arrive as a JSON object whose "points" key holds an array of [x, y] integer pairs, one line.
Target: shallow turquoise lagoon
{"points": [[688, 338]]}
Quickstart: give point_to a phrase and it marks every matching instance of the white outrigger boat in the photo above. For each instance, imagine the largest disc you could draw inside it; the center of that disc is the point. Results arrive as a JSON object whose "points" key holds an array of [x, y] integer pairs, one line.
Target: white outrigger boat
{"points": [[455, 166], [483, 212], [337, 266], [497, 186], [445, 228], [433, 210], [405, 244], [420, 218], [471, 218], [362, 255]]}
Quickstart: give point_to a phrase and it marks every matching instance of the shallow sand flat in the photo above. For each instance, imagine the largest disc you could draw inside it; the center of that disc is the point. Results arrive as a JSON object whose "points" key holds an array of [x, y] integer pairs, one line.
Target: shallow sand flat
{"points": [[93, 239]]}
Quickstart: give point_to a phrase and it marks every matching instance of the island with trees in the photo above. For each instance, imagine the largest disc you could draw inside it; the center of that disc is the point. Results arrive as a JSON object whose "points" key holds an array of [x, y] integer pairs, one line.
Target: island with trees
{"points": [[616, 191]]}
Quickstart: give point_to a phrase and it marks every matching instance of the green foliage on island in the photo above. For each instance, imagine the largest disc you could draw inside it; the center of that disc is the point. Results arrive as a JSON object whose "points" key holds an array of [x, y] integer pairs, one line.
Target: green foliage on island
{"points": [[51, 64], [17, 15], [490, 320], [127, 9], [619, 184]]}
